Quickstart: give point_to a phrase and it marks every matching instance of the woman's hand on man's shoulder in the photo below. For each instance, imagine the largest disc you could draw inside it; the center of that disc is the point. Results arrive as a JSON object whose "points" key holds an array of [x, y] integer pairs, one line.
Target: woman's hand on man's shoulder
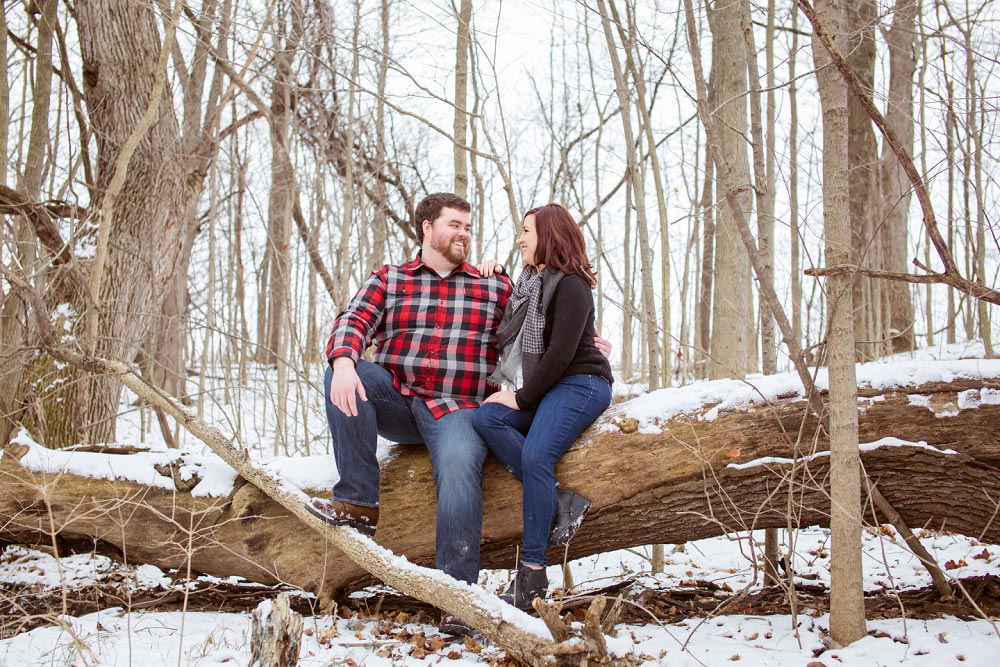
{"points": [[490, 267]]}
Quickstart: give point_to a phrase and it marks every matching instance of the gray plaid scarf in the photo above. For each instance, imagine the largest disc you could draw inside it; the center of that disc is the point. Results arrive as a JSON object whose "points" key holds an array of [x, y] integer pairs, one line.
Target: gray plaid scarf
{"points": [[521, 334]]}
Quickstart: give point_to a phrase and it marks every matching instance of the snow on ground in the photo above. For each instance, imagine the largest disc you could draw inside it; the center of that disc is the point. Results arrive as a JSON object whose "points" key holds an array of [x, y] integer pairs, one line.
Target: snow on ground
{"points": [[108, 638], [247, 412], [112, 637]]}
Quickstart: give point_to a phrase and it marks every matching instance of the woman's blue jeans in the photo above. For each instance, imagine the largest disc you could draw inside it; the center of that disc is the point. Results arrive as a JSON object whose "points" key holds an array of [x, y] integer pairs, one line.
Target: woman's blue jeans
{"points": [[529, 444]]}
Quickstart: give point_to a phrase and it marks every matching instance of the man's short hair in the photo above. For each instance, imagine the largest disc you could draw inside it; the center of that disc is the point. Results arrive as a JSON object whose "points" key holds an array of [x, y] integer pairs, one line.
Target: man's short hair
{"points": [[430, 207]]}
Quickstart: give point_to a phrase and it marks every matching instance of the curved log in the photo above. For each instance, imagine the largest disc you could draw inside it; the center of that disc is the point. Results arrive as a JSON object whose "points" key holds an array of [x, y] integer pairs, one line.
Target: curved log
{"points": [[695, 477]]}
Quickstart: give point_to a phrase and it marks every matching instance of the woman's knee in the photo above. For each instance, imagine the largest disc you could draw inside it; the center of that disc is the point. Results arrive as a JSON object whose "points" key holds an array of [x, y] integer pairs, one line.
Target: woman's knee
{"points": [[489, 416]]}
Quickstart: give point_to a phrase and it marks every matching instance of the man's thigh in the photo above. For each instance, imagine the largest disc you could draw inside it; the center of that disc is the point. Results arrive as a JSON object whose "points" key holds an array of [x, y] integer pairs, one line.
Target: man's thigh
{"points": [[393, 416], [452, 441]]}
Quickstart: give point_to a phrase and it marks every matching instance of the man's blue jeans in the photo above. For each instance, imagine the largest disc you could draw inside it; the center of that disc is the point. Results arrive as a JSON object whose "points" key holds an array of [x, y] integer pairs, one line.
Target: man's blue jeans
{"points": [[529, 444], [457, 455]]}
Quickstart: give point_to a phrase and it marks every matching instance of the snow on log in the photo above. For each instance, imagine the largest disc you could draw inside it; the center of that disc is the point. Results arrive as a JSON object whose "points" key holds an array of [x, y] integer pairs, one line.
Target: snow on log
{"points": [[672, 466]]}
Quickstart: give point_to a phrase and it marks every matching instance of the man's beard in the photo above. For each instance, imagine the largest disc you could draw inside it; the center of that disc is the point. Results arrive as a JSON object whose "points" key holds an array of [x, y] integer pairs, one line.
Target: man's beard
{"points": [[448, 249]]}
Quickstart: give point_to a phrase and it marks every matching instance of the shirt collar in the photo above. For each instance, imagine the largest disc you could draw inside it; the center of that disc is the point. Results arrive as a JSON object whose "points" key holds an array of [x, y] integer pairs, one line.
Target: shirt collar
{"points": [[417, 263]]}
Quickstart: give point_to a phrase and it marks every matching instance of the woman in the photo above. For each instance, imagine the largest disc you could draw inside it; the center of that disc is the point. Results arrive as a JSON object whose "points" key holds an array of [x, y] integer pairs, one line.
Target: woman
{"points": [[546, 338]]}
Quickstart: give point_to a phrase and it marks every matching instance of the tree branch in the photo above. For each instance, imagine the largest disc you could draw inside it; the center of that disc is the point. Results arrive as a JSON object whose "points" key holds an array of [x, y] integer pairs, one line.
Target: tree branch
{"points": [[955, 279], [40, 216]]}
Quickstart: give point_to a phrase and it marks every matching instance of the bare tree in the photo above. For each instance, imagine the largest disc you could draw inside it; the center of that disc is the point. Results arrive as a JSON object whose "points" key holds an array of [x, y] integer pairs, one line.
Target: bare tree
{"points": [[120, 48], [847, 609], [985, 329], [4, 95], [13, 333], [633, 64], [922, 124], [706, 206], [460, 124], [731, 312], [764, 180], [794, 240], [380, 231], [865, 200], [276, 270], [972, 183], [163, 355], [645, 251], [901, 42]]}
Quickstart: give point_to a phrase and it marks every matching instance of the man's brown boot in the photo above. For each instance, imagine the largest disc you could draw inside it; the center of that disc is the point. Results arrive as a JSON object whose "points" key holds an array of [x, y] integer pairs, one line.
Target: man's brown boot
{"points": [[338, 513]]}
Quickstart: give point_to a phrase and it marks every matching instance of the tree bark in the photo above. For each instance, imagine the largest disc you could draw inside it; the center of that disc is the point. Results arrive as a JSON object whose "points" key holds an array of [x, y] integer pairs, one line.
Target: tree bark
{"points": [[460, 122], [673, 486], [119, 47], [732, 317], [865, 201], [901, 42], [847, 608]]}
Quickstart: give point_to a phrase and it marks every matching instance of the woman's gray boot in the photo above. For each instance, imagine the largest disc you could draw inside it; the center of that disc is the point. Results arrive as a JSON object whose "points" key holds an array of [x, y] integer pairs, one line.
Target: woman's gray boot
{"points": [[571, 508], [527, 585]]}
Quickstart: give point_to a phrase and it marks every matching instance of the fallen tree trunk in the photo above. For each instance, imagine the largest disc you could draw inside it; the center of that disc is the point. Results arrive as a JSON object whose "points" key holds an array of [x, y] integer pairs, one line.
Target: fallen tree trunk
{"points": [[689, 478], [524, 639]]}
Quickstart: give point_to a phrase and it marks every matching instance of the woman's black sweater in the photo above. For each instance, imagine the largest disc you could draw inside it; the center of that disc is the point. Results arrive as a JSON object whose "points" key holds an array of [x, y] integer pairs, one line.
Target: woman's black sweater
{"points": [[569, 342]]}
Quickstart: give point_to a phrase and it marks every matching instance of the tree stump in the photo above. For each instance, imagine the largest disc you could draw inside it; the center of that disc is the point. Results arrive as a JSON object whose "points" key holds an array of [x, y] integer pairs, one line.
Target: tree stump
{"points": [[276, 634]]}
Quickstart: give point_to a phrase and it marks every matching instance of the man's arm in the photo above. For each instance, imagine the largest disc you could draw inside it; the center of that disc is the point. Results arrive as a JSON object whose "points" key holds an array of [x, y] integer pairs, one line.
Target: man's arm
{"points": [[355, 326], [353, 331]]}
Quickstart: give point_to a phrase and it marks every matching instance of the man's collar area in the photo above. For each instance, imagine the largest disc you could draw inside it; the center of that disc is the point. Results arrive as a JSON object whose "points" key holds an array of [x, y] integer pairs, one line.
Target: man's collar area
{"points": [[417, 263]]}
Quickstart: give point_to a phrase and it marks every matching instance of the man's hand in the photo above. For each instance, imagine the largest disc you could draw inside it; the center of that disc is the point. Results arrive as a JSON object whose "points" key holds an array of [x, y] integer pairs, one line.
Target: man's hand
{"points": [[602, 344], [503, 398], [346, 387]]}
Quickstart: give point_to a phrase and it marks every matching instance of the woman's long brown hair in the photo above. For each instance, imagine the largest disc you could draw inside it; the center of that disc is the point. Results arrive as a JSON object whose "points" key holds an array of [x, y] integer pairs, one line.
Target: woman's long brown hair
{"points": [[560, 242]]}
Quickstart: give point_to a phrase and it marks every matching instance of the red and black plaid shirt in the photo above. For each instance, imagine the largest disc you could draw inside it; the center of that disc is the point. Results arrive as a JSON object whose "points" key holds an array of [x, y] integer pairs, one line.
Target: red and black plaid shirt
{"points": [[436, 335]]}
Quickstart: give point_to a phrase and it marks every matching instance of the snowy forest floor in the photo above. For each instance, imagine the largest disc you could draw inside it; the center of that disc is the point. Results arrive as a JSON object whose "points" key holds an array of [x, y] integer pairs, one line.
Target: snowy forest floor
{"points": [[703, 609], [706, 608]]}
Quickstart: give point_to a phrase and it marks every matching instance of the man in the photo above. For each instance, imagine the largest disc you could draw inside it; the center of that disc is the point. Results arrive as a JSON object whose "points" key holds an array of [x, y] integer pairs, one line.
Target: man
{"points": [[433, 322]]}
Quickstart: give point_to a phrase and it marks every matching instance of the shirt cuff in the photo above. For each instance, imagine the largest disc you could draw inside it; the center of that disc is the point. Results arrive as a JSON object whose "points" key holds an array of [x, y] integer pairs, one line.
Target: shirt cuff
{"points": [[522, 403], [344, 351]]}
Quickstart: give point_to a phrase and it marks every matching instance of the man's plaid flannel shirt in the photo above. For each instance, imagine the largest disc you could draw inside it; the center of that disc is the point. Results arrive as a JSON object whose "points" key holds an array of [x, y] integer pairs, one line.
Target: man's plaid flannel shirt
{"points": [[436, 335]]}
